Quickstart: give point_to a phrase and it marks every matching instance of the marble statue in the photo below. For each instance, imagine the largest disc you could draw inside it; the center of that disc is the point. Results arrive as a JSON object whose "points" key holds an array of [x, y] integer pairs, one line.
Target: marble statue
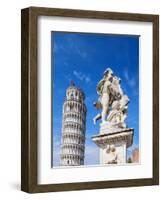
{"points": [[112, 101], [114, 136], [118, 112]]}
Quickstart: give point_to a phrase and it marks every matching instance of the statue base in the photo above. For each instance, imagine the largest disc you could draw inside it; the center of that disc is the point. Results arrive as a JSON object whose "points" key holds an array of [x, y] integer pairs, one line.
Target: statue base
{"points": [[113, 144]]}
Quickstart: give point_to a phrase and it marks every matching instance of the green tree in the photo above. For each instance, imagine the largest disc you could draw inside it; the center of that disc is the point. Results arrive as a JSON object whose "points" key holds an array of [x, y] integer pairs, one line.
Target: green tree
{"points": [[129, 160]]}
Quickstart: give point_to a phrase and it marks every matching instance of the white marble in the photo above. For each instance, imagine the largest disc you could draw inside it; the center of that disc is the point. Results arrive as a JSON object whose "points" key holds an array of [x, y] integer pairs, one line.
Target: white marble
{"points": [[73, 127], [114, 137], [112, 101], [114, 145]]}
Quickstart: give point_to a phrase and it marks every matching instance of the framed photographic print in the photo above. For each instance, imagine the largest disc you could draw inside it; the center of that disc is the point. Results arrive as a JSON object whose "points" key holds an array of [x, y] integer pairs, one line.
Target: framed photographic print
{"points": [[90, 99]]}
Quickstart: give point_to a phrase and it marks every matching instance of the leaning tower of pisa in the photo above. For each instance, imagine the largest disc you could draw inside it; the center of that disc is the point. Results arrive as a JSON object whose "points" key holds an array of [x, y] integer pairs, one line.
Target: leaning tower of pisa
{"points": [[73, 127]]}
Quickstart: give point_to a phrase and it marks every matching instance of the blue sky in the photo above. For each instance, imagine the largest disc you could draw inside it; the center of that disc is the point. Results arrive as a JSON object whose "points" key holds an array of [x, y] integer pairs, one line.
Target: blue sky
{"points": [[83, 59]]}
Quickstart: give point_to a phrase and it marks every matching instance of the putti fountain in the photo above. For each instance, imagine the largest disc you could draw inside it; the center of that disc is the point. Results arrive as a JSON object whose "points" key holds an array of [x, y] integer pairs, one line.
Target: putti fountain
{"points": [[114, 136]]}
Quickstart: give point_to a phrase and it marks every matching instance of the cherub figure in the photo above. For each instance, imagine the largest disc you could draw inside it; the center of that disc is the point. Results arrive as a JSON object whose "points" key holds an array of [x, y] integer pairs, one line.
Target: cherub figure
{"points": [[118, 112], [103, 90], [112, 155], [109, 90]]}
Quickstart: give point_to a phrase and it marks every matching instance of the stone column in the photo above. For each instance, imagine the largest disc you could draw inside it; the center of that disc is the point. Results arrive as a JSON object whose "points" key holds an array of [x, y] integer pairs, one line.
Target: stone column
{"points": [[113, 144]]}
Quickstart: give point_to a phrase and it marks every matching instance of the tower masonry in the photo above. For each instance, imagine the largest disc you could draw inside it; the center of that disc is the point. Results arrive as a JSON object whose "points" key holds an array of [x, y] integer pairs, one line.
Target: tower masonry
{"points": [[73, 127]]}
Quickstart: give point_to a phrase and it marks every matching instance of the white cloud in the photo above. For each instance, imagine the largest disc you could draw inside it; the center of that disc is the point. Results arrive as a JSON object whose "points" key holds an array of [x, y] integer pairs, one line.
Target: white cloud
{"points": [[79, 49], [126, 75], [87, 79], [65, 63], [68, 77], [130, 80], [81, 76], [81, 53]]}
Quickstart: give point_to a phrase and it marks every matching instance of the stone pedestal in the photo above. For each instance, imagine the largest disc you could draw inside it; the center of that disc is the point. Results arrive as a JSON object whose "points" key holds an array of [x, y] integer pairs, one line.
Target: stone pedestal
{"points": [[113, 143]]}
